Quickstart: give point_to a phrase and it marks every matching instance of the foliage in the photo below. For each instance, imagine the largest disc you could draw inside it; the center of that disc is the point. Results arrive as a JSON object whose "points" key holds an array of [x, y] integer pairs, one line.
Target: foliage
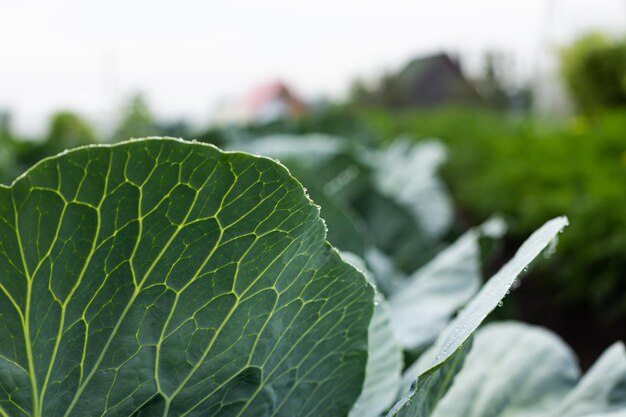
{"points": [[136, 120], [66, 131], [6, 145], [529, 170], [594, 69], [543, 378], [330, 119], [526, 168], [159, 277], [497, 84]]}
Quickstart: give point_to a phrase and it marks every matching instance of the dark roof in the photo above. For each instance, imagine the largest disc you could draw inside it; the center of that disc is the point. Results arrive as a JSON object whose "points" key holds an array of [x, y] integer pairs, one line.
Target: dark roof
{"points": [[431, 81]]}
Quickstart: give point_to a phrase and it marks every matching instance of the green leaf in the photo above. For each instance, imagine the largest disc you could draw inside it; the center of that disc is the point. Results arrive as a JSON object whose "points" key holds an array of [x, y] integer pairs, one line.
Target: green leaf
{"points": [[430, 387], [324, 165], [395, 231], [304, 152], [386, 274], [470, 317], [383, 373], [490, 295], [165, 278], [601, 390], [518, 370], [513, 369], [403, 202], [425, 302], [345, 230], [407, 173]]}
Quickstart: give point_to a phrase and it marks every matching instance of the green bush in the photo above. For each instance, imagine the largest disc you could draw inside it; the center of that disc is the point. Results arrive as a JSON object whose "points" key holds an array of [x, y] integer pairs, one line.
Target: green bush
{"points": [[594, 69], [67, 130]]}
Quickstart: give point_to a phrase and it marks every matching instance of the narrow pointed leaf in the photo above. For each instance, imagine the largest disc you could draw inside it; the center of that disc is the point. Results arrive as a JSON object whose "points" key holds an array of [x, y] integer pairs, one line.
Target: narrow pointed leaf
{"points": [[490, 295], [430, 387], [423, 304], [470, 317]]}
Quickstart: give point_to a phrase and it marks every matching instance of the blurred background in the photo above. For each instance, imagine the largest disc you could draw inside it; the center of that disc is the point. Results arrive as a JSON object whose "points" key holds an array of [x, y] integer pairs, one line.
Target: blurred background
{"points": [[529, 97]]}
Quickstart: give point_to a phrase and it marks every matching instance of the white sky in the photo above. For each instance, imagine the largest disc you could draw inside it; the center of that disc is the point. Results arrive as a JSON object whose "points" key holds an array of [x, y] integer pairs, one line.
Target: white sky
{"points": [[187, 55]]}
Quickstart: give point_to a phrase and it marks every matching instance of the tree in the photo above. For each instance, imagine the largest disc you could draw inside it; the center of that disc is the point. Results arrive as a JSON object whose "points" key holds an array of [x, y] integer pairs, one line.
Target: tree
{"points": [[594, 70], [67, 130], [136, 120]]}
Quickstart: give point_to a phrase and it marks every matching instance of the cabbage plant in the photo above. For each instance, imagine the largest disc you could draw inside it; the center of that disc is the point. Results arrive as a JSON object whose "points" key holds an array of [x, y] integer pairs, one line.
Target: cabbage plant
{"points": [[159, 277]]}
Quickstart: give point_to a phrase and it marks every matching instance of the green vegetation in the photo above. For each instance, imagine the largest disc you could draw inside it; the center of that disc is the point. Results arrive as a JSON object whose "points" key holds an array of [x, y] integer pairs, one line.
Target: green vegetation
{"points": [[136, 120], [166, 278], [525, 168], [594, 69], [528, 170], [67, 130]]}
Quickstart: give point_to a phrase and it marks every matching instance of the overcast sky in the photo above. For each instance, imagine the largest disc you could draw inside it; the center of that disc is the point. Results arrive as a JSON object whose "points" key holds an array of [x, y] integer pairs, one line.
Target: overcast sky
{"points": [[187, 55]]}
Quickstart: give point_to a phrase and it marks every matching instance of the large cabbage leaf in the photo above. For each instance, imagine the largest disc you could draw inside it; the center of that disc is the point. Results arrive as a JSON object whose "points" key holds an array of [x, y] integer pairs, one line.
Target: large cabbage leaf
{"points": [[164, 278]]}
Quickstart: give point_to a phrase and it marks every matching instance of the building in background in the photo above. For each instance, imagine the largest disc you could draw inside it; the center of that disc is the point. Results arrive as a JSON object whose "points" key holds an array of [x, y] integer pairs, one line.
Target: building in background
{"points": [[428, 81], [432, 81], [266, 103]]}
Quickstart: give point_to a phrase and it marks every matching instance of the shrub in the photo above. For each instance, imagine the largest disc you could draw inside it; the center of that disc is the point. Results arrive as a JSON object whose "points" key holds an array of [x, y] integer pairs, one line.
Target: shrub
{"points": [[594, 69]]}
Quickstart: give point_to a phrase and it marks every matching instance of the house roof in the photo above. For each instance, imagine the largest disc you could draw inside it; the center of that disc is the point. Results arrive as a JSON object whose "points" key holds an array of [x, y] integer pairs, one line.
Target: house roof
{"points": [[264, 94], [434, 80]]}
